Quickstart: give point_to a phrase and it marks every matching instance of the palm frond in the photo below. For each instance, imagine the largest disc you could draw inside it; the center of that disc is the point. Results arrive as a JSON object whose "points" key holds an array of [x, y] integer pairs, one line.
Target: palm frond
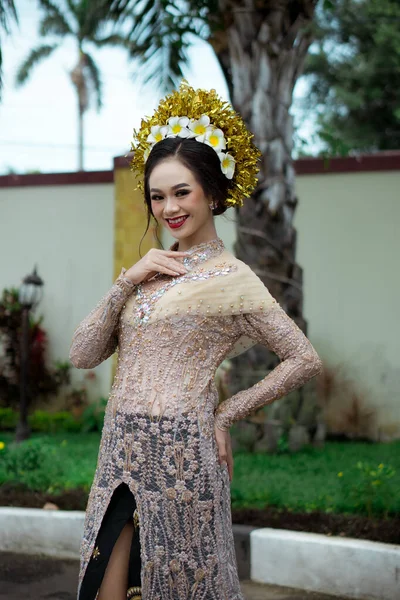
{"points": [[53, 20], [112, 40], [93, 16], [8, 13], [161, 34], [34, 58], [95, 79], [71, 5], [162, 63], [54, 25], [49, 7]]}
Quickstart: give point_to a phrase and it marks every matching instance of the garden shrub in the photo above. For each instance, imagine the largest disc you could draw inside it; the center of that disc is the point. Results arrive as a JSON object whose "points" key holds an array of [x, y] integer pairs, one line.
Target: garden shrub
{"points": [[32, 463], [43, 421], [8, 419], [44, 381], [371, 491], [93, 416]]}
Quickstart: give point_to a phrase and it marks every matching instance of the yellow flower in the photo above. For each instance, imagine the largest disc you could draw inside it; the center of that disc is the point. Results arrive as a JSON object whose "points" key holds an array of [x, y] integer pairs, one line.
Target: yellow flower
{"points": [[2, 445], [200, 127], [381, 466], [215, 138], [340, 474], [157, 134], [227, 164], [177, 126]]}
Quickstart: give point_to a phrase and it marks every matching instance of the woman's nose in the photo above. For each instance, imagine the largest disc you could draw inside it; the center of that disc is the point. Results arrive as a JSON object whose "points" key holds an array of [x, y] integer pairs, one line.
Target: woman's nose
{"points": [[171, 204]]}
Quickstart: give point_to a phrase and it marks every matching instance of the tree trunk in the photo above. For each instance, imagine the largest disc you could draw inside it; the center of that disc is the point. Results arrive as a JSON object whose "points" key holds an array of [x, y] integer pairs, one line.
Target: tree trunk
{"points": [[267, 48], [79, 82], [80, 139], [267, 44]]}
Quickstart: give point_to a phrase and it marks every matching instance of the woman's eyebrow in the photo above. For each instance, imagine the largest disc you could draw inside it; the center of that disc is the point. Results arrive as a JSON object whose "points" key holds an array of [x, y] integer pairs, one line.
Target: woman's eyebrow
{"points": [[174, 187]]}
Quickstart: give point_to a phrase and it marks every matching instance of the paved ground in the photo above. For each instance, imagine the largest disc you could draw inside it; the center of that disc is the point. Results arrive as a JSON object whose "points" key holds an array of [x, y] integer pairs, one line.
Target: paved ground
{"points": [[33, 578]]}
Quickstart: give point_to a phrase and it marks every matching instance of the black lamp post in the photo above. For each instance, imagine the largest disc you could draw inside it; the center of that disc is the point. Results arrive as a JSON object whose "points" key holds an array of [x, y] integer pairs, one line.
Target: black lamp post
{"points": [[30, 294]]}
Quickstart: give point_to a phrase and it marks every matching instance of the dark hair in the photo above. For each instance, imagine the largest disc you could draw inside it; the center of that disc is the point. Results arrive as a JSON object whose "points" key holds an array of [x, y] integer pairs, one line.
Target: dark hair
{"points": [[200, 159]]}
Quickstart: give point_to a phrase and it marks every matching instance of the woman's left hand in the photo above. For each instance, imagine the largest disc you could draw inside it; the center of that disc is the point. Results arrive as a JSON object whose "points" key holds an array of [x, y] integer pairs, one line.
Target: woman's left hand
{"points": [[223, 439]]}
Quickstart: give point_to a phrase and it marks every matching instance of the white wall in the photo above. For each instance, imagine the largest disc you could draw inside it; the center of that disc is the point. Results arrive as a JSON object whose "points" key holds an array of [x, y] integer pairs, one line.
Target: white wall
{"points": [[67, 231], [349, 246]]}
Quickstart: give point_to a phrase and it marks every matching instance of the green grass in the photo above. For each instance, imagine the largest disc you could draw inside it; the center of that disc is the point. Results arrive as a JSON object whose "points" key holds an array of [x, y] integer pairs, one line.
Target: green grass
{"points": [[304, 481], [309, 480]]}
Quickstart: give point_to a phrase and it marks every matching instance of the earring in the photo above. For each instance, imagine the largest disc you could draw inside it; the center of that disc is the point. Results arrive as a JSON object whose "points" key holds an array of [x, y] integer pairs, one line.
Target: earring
{"points": [[212, 206]]}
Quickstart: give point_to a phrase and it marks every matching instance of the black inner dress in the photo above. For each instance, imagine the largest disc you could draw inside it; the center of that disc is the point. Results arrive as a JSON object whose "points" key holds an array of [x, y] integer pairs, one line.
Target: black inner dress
{"points": [[120, 511]]}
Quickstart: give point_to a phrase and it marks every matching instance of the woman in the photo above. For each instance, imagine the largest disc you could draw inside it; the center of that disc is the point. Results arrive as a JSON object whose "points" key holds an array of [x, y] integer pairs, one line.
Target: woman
{"points": [[158, 520]]}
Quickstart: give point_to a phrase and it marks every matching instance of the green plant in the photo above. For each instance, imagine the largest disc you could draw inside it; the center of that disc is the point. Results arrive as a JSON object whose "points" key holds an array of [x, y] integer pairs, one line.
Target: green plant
{"points": [[8, 418], [283, 444], [372, 491], [93, 416], [46, 422], [43, 381], [33, 463]]}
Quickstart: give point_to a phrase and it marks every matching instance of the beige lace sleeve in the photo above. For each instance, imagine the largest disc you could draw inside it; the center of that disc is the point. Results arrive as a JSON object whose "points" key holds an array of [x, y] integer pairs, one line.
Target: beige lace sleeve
{"points": [[300, 362], [96, 337]]}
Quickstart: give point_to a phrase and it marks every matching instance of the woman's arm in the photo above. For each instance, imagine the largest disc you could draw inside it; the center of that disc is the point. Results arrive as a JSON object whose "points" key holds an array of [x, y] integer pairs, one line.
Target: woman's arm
{"points": [[96, 337], [300, 362]]}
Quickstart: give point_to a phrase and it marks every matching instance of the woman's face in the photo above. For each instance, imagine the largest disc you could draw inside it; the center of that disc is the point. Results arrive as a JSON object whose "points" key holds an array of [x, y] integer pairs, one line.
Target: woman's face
{"points": [[174, 193]]}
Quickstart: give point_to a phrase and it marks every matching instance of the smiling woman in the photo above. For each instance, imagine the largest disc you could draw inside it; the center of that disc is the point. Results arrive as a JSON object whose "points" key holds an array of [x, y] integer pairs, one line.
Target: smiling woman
{"points": [[183, 179], [158, 520]]}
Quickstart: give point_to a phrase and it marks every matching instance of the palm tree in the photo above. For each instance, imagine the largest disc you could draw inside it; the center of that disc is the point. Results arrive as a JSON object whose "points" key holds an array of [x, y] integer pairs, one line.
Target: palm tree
{"points": [[8, 13], [86, 22]]}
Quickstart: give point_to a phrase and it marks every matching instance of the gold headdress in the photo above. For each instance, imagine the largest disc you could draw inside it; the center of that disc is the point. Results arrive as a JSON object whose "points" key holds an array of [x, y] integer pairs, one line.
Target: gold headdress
{"points": [[202, 115]]}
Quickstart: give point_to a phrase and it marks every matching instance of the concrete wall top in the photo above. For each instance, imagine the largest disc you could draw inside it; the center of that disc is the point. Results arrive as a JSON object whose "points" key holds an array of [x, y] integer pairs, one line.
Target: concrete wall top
{"points": [[381, 161]]}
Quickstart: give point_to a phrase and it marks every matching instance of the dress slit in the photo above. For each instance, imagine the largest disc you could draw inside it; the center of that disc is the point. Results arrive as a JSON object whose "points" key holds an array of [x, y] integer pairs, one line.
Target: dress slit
{"points": [[120, 511]]}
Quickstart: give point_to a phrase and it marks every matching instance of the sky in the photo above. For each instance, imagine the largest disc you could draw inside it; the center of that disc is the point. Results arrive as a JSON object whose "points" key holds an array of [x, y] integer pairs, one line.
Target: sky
{"points": [[38, 122]]}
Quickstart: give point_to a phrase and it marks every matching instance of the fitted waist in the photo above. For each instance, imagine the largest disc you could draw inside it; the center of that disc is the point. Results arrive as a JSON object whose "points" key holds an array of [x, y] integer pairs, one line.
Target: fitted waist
{"points": [[156, 403]]}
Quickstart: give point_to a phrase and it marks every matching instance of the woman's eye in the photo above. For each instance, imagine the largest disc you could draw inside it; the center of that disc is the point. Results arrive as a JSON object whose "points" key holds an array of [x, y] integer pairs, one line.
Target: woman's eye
{"points": [[182, 193], [156, 197]]}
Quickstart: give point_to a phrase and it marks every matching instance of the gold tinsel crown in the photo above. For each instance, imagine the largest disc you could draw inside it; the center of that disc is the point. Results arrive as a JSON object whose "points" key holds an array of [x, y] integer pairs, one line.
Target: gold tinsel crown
{"points": [[193, 104]]}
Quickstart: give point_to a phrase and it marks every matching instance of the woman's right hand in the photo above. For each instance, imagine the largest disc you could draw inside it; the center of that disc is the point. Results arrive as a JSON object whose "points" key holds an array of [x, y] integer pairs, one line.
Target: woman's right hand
{"points": [[157, 261]]}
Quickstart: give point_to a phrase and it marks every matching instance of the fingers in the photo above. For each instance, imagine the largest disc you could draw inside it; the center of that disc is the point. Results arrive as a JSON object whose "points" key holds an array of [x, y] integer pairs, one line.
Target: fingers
{"points": [[172, 267], [226, 460], [230, 468], [168, 261], [223, 459], [224, 447]]}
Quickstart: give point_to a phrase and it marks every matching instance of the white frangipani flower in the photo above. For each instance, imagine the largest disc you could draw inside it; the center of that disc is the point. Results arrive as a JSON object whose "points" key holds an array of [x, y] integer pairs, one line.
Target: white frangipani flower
{"points": [[227, 164], [201, 130], [215, 138], [178, 126], [158, 133], [200, 127]]}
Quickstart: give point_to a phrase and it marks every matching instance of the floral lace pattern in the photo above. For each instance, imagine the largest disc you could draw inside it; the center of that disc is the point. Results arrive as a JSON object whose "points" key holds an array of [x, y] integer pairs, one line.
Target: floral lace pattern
{"points": [[183, 495], [300, 363], [158, 435]]}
